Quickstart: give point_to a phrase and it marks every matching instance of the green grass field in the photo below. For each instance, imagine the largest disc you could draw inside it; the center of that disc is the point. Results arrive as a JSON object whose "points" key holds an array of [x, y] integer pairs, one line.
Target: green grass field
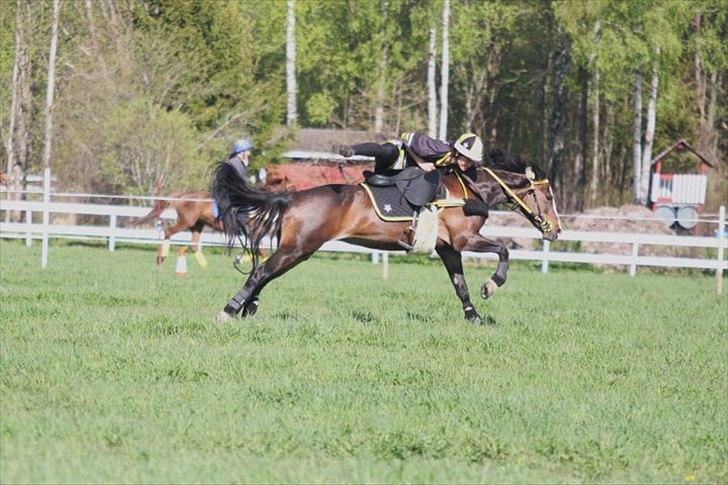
{"points": [[115, 371]]}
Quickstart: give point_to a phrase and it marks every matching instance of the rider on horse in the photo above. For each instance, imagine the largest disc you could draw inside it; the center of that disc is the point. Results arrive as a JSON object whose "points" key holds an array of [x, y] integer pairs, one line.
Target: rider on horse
{"points": [[239, 157], [418, 149]]}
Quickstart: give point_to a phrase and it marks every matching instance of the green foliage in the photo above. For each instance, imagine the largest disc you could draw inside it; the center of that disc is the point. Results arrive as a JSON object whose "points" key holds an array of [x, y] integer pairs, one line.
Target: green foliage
{"points": [[220, 67], [320, 108], [114, 371], [144, 143]]}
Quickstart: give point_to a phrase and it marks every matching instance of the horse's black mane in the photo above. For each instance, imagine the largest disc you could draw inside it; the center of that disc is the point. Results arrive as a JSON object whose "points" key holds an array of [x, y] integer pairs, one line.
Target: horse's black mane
{"points": [[499, 159]]}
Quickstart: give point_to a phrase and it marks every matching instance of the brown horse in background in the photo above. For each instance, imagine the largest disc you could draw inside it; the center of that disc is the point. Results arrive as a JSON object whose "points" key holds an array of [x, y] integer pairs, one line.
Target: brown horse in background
{"points": [[303, 221], [192, 215]]}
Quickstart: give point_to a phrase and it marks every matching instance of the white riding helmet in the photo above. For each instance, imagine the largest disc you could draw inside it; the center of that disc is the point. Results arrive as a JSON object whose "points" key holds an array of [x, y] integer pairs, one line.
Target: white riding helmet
{"points": [[471, 146]]}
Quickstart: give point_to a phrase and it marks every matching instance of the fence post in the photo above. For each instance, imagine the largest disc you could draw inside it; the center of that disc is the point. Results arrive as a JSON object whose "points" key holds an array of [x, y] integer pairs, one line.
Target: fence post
{"points": [[385, 265], [46, 216], [545, 257], [721, 248], [375, 257], [29, 222], [112, 232], [635, 254]]}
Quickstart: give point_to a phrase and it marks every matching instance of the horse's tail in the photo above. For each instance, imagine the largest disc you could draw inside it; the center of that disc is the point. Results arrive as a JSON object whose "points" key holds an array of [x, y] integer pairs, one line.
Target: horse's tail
{"points": [[159, 207], [246, 210]]}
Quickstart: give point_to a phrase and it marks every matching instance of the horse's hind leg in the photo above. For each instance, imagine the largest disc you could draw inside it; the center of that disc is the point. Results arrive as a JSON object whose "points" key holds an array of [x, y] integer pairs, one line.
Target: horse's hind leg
{"points": [[197, 244], [285, 258], [454, 265]]}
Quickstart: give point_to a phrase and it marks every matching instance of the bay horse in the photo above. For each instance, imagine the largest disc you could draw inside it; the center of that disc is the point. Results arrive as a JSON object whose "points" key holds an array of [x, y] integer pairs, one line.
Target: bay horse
{"points": [[192, 215], [303, 221]]}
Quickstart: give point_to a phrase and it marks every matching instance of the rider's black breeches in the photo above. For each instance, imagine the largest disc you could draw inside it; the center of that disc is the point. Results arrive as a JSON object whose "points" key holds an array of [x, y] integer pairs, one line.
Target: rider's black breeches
{"points": [[385, 155]]}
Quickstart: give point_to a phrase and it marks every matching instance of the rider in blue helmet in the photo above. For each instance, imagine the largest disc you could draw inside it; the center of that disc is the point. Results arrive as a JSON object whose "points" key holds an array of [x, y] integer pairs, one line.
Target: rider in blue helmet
{"points": [[239, 157]]}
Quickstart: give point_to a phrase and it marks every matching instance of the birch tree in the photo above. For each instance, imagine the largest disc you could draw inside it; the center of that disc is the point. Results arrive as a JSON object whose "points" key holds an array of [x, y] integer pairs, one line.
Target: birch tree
{"points": [[50, 90], [431, 87], [445, 69], [649, 134], [291, 87], [637, 138]]}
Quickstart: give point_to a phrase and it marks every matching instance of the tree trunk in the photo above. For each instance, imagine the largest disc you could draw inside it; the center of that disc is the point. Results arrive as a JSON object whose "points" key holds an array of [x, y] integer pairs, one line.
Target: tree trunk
{"points": [[291, 88], [594, 185], [709, 140], [545, 98], [637, 138], [581, 154], [382, 73], [562, 61], [50, 90], [19, 41], [699, 81], [608, 138], [649, 135], [381, 82], [445, 77], [431, 87]]}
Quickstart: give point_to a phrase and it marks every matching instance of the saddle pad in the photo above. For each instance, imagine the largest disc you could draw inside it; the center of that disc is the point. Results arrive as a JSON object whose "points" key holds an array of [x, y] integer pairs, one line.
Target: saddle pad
{"points": [[389, 203], [426, 230]]}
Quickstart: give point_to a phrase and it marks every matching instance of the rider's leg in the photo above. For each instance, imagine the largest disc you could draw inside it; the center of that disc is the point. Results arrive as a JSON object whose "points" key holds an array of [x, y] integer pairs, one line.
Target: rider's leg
{"points": [[385, 155]]}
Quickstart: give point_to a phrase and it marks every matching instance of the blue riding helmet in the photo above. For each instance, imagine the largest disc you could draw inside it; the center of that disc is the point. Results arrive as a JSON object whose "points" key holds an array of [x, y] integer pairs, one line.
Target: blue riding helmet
{"points": [[241, 146]]}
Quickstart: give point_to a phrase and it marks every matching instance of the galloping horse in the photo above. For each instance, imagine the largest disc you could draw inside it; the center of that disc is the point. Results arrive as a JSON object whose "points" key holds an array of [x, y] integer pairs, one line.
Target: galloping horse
{"points": [[192, 215], [303, 221]]}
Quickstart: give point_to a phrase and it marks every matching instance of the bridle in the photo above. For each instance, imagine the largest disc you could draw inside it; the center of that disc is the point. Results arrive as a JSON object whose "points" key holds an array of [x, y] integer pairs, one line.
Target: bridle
{"points": [[539, 218]]}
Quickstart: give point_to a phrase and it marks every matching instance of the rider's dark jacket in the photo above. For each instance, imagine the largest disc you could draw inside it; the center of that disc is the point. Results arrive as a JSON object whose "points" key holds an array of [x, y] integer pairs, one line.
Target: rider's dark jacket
{"points": [[409, 149], [238, 165]]}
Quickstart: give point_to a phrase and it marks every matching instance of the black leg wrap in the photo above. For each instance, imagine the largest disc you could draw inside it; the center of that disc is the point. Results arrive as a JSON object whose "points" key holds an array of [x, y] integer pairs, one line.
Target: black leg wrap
{"points": [[498, 279], [501, 273], [236, 304]]}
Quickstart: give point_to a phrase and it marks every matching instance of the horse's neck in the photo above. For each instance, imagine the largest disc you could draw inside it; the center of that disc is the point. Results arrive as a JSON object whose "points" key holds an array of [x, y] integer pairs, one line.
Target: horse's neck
{"points": [[487, 188]]}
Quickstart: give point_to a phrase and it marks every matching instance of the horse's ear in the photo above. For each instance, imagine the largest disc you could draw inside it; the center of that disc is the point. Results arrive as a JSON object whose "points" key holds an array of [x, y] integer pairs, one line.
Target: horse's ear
{"points": [[529, 174]]}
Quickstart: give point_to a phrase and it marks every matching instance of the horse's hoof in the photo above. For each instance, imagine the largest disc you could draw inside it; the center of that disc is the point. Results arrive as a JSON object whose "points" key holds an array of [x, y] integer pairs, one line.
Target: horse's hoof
{"points": [[223, 316], [475, 320], [488, 289], [472, 316], [250, 308]]}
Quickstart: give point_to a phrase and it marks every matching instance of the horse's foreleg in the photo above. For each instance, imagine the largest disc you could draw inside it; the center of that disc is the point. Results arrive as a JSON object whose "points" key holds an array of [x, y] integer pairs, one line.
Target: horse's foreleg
{"points": [[454, 265], [479, 244]]}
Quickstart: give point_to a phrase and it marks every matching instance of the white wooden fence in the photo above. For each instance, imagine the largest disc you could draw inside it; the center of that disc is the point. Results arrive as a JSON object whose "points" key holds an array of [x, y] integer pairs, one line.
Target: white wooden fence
{"points": [[113, 233]]}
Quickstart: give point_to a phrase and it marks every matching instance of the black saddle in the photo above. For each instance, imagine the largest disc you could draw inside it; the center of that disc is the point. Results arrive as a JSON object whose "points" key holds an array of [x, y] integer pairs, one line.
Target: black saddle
{"points": [[416, 186]]}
